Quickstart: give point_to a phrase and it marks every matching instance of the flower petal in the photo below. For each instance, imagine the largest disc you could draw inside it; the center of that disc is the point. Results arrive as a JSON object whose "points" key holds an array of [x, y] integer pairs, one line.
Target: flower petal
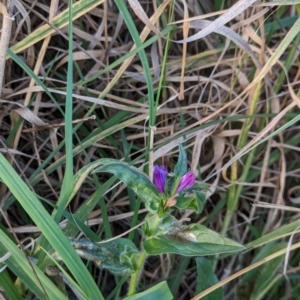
{"points": [[159, 177], [186, 182]]}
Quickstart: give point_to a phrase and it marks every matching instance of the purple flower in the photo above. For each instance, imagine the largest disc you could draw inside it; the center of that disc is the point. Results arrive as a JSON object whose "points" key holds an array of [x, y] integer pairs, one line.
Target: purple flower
{"points": [[159, 177], [186, 182]]}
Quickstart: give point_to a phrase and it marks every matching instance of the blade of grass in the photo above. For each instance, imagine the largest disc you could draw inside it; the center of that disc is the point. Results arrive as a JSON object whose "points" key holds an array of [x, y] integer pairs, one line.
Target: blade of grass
{"points": [[144, 60], [31, 74], [87, 207], [174, 284], [285, 43], [253, 144], [245, 270], [122, 59], [162, 79], [79, 9], [274, 24], [48, 227], [18, 264], [36, 177], [66, 188], [234, 190], [8, 286]]}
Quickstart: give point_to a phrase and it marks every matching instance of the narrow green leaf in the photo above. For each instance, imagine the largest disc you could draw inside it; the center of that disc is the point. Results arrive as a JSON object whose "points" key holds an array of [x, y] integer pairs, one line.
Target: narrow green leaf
{"points": [[66, 188], [48, 227], [121, 4], [31, 74], [181, 166], [274, 235], [85, 209], [264, 252], [207, 278], [8, 286], [133, 178], [19, 265], [159, 291], [269, 271], [201, 199], [120, 60], [255, 282]]}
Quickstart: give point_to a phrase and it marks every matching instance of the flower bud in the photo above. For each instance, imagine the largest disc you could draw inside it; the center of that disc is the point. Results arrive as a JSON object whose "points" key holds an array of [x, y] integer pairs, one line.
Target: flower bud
{"points": [[186, 182], [160, 177]]}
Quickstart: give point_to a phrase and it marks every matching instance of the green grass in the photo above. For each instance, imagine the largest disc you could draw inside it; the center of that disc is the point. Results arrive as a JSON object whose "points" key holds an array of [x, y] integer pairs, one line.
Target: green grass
{"points": [[241, 136]]}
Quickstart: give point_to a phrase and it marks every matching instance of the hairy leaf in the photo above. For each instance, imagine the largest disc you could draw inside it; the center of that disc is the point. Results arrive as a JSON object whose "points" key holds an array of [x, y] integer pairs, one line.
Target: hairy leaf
{"points": [[195, 203], [192, 240], [133, 178], [118, 256], [159, 291]]}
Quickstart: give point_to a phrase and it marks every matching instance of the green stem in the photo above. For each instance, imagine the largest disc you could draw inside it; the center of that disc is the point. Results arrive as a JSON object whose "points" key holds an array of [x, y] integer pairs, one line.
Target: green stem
{"points": [[135, 276], [152, 221]]}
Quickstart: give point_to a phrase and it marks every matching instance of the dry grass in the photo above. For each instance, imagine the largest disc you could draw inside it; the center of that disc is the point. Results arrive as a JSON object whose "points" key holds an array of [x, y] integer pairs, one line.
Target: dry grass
{"points": [[217, 97]]}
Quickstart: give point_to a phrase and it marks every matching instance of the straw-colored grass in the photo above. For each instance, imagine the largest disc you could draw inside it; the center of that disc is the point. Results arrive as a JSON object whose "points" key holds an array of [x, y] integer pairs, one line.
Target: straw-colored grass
{"points": [[131, 80]]}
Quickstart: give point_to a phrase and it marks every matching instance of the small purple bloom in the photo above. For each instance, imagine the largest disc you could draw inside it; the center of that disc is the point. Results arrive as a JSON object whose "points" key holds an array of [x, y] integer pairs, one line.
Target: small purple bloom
{"points": [[159, 177], [186, 182]]}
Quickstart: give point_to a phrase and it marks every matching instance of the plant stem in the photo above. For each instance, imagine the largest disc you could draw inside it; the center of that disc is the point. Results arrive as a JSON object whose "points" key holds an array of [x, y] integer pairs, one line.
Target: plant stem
{"points": [[135, 276], [152, 222]]}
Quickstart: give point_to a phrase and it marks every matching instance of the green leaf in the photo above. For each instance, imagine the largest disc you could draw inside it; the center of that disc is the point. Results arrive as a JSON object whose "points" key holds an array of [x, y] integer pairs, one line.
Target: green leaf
{"points": [[118, 256], [264, 252], [187, 203], [181, 166], [151, 223], [259, 278], [195, 203], [30, 275], [8, 286], [207, 278], [66, 187], [134, 179], [49, 228], [269, 271], [159, 291], [201, 199], [200, 186], [192, 240]]}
